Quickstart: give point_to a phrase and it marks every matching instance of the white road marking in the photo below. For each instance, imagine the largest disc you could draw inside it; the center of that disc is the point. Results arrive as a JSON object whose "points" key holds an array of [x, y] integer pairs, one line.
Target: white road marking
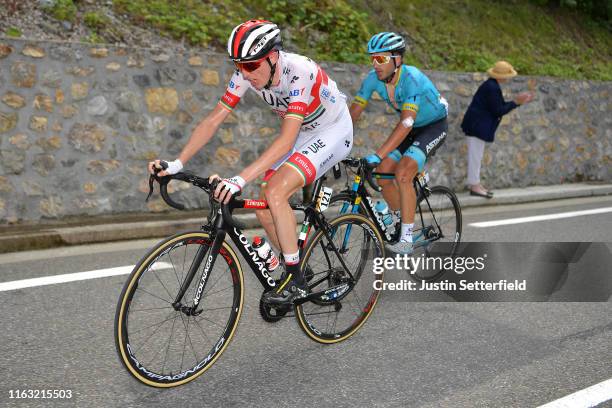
{"points": [[73, 277], [589, 397], [545, 217]]}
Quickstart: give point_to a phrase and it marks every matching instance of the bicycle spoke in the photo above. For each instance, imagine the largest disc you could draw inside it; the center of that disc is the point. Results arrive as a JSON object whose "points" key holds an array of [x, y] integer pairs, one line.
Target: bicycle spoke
{"points": [[155, 324], [184, 260], [184, 347], [320, 313], [357, 308], [217, 308], [155, 296], [150, 309], [168, 347], [208, 320], [335, 322], [189, 337], [174, 269], [210, 287], [204, 334], [157, 277], [219, 291]]}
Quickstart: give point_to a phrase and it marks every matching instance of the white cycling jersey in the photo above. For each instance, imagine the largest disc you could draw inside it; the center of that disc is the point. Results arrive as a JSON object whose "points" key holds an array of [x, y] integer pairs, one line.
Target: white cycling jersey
{"points": [[304, 91]]}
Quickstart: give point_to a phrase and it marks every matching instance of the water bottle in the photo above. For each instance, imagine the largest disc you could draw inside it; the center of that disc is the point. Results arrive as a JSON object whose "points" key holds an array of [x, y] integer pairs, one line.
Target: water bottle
{"points": [[382, 208], [265, 252]]}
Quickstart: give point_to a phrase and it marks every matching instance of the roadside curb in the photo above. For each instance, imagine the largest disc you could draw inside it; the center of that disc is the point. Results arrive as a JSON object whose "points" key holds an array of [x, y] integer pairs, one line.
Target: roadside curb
{"points": [[55, 237], [535, 193], [51, 237]]}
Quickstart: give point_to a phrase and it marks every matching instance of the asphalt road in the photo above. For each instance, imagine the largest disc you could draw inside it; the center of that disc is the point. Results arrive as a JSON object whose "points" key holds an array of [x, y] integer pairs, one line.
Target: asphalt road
{"points": [[409, 354]]}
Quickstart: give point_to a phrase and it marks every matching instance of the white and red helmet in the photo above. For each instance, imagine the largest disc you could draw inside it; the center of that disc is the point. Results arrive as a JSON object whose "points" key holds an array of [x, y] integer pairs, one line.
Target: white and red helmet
{"points": [[253, 40]]}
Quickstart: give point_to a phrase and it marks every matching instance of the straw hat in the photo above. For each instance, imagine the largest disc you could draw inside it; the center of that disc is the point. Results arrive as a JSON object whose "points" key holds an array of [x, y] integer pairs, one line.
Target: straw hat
{"points": [[501, 70]]}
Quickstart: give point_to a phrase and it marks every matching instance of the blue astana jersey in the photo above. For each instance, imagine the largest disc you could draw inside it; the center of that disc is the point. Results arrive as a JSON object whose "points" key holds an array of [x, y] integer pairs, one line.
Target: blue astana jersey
{"points": [[413, 92]]}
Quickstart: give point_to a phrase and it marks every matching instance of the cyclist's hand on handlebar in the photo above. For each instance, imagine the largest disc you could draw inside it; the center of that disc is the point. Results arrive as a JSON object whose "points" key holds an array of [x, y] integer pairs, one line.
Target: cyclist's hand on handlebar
{"points": [[227, 188], [167, 167], [373, 160]]}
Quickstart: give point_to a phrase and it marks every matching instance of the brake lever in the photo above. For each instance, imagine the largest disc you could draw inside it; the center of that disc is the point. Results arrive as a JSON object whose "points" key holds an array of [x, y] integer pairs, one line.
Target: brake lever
{"points": [[154, 177], [151, 179]]}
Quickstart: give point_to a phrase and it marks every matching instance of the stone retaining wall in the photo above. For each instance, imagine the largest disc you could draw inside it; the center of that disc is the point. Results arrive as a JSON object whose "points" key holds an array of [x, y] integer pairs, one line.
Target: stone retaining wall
{"points": [[78, 124]]}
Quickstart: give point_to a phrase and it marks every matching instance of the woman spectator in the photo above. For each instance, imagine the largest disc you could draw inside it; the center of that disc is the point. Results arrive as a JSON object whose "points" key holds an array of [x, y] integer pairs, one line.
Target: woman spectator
{"points": [[482, 119]]}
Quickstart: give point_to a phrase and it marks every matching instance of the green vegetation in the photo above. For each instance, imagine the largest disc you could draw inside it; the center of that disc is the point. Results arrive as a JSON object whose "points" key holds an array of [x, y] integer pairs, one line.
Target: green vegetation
{"points": [[470, 35], [93, 38], [64, 10], [564, 38], [201, 23], [13, 32], [333, 29], [598, 9], [95, 20]]}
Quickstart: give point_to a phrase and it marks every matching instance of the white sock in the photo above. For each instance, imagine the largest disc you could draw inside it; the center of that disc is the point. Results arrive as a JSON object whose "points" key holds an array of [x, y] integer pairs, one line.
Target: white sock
{"points": [[292, 259], [406, 233]]}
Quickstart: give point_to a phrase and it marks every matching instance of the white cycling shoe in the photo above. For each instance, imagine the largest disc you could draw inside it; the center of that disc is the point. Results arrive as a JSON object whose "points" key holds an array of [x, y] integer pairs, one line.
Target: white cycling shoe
{"points": [[401, 247]]}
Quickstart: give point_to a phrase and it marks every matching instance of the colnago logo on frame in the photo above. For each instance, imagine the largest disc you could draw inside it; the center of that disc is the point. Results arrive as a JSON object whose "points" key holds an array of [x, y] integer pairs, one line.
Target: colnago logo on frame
{"points": [[198, 295]]}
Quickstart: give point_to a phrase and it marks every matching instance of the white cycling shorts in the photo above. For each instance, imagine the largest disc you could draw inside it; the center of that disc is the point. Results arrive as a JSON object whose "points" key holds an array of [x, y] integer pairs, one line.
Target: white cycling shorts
{"points": [[316, 151]]}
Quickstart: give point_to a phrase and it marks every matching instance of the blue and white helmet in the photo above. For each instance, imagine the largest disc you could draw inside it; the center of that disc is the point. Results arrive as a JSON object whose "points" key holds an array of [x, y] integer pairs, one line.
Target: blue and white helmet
{"points": [[384, 42]]}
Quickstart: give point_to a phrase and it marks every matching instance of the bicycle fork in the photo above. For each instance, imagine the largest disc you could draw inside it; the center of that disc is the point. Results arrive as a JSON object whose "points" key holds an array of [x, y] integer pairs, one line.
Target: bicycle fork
{"points": [[213, 252]]}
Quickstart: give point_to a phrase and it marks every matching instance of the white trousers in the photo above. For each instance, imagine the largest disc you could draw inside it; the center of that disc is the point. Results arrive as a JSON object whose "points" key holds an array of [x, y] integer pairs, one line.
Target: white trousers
{"points": [[475, 151]]}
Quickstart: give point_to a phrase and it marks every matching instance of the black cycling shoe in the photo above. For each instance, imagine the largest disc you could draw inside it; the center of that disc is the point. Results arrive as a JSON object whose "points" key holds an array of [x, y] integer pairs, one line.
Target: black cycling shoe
{"points": [[287, 293]]}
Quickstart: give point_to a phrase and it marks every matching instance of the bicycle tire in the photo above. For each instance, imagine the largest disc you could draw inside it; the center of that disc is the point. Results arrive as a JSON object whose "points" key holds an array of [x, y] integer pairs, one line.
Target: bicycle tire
{"points": [[306, 313], [134, 299], [447, 226]]}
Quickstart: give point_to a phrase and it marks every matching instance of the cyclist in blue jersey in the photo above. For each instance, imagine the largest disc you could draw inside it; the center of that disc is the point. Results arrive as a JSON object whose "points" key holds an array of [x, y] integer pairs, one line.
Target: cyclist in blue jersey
{"points": [[419, 132]]}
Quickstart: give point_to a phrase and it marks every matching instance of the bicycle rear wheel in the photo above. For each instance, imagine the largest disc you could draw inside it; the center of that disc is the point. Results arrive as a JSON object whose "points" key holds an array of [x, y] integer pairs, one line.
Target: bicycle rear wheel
{"points": [[437, 230], [162, 344], [337, 314]]}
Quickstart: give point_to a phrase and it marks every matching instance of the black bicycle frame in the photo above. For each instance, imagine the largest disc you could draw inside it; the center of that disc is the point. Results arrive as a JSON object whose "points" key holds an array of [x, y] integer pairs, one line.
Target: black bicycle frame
{"points": [[223, 227]]}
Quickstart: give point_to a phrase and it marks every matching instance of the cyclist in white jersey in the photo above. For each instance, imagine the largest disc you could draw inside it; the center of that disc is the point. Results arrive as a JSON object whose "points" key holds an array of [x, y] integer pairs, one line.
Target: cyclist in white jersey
{"points": [[316, 133]]}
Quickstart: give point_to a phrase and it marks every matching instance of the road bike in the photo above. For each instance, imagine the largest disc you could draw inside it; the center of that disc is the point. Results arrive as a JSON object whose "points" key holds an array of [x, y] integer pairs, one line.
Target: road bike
{"points": [[180, 306], [437, 227]]}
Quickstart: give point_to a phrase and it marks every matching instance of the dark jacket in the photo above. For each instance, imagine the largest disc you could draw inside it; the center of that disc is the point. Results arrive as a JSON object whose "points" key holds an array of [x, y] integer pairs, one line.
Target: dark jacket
{"points": [[486, 110]]}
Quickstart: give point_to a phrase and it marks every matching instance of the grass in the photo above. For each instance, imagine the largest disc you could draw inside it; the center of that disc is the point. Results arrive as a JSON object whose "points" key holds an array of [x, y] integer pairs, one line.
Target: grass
{"points": [[204, 23], [95, 20], [447, 35], [13, 32], [64, 10], [470, 35]]}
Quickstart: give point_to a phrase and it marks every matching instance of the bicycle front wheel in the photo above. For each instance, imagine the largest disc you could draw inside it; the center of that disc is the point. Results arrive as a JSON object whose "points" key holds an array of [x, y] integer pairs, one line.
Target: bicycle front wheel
{"points": [[437, 231], [348, 290], [163, 343]]}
